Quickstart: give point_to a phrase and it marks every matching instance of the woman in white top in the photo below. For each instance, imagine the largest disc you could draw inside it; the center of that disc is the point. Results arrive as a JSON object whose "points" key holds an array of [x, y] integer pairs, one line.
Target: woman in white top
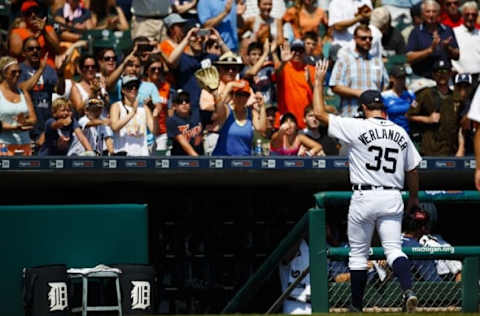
{"points": [[130, 121], [16, 111]]}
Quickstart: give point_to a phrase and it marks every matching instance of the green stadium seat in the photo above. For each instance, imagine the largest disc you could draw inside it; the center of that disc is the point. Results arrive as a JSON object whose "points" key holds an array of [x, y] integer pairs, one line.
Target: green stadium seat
{"points": [[120, 41]]}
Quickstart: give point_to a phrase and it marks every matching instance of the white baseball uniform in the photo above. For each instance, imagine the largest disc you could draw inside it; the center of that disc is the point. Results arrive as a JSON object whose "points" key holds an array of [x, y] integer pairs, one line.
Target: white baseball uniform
{"points": [[379, 154], [474, 112]]}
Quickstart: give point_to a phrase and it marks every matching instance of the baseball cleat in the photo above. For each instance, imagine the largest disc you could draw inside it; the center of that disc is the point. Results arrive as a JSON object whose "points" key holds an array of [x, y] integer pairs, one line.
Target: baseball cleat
{"points": [[410, 301]]}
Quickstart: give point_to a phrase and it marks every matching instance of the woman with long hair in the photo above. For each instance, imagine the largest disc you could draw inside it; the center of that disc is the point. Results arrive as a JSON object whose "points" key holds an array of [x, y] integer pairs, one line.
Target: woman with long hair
{"points": [[288, 142], [90, 84], [129, 121], [156, 75], [16, 111], [108, 15]]}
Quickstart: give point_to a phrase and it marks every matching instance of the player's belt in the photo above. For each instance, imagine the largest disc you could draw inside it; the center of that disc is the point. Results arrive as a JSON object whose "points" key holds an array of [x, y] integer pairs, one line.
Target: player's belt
{"points": [[363, 187]]}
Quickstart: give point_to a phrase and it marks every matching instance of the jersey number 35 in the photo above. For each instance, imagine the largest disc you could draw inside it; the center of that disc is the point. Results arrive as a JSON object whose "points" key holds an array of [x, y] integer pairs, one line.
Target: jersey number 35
{"points": [[390, 156]]}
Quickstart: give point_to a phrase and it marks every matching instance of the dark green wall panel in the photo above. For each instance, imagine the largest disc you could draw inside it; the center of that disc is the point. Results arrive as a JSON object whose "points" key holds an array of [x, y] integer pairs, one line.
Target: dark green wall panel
{"points": [[76, 235]]}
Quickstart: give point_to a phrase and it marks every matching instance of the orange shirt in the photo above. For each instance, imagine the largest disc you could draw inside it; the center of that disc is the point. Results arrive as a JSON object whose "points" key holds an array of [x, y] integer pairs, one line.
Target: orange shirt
{"points": [[164, 92], [304, 22], [25, 33], [294, 92]]}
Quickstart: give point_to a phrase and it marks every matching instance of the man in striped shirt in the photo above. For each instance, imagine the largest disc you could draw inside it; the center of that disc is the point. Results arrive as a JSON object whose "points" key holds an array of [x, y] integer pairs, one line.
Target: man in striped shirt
{"points": [[356, 71]]}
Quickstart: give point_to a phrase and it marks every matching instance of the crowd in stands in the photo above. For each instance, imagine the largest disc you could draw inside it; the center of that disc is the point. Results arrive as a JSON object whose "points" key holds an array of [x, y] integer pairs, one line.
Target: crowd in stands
{"points": [[225, 77]]}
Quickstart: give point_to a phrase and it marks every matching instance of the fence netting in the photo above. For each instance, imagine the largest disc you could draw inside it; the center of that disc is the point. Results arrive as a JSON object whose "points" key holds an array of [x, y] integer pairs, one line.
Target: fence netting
{"points": [[383, 293]]}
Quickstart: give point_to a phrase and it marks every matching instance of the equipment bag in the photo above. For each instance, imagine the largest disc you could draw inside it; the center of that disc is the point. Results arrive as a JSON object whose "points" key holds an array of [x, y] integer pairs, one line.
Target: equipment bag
{"points": [[138, 284], [45, 290]]}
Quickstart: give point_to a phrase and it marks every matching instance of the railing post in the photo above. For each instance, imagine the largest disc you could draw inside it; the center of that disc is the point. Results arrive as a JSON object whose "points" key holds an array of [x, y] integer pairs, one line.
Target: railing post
{"points": [[470, 276], [318, 260]]}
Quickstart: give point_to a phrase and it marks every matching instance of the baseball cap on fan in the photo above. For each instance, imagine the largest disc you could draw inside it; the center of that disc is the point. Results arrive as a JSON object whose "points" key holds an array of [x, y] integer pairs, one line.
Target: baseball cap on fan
{"points": [[28, 5], [463, 78], [174, 18], [370, 97], [297, 44]]}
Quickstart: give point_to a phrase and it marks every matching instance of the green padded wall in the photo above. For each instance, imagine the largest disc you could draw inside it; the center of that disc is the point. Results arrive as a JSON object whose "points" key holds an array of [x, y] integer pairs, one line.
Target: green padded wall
{"points": [[76, 235]]}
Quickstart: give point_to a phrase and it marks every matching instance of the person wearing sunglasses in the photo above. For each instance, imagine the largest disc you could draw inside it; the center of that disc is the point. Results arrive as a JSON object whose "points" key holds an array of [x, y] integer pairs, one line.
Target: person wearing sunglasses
{"points": [[35, 26], [238, 119], [40, 80], [16, 109], [156, 74], [436, 117], [184, 127], [130, 120], [90, 84], [430, 42], [451, 15], [349, 78]]}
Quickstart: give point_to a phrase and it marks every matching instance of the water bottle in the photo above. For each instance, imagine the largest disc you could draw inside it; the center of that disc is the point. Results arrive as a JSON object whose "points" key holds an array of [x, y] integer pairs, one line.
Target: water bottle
{"points": [[258, 148], [3, 150]]}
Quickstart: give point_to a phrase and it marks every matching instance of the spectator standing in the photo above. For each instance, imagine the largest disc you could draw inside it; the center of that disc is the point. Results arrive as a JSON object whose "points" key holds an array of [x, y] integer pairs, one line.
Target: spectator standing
{"points": [[40, 80], [398, 100], [130, 121], [430, 41], [175, 33], [221, 15], [294, 81], [319, 133], [73, 19], [237, 120], [156, 75], [349, 75], [450, 15], [185, 63], [264, 26], [462, 98], [108, 15], [288, 142], [392, 40], [95, 129], [468, 38], [304, 17], [435, 117], [35, 26], [107, 61], [416, 14], [344, 16], [277, 12], [16, 110], [90, 85], [147, 18], [259, 71], [59, 130], [184, 128]]}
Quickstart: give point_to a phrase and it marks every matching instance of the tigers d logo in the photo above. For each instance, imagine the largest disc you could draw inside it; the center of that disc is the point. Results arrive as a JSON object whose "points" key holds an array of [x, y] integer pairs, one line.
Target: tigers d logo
{"points": [[58, 296], [140, 295]]}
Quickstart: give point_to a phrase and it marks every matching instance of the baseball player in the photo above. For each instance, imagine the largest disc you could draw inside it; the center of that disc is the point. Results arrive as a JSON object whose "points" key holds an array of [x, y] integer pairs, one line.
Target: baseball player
{"points": [[474, 115], [380, 157]]}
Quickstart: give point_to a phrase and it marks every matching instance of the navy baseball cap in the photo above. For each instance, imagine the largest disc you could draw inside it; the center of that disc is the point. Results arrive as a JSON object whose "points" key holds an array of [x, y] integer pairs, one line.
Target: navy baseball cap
{"points": [[441, 64], [398, 71], [369, 97], [298, 44], [463, 78]]}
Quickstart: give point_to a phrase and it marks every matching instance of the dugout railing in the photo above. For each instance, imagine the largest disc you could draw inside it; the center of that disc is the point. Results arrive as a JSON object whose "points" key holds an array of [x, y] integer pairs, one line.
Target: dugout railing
{"points": [[330, 296]]}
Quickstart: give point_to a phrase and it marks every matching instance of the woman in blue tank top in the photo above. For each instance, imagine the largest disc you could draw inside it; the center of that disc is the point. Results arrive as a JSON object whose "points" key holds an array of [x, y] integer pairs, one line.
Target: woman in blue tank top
{"points": [[238, 119]]}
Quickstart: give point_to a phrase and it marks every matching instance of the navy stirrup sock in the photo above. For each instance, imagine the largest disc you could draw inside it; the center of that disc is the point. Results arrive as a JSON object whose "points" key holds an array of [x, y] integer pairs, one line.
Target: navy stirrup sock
{"points": [[358, 283], [401, 269]]}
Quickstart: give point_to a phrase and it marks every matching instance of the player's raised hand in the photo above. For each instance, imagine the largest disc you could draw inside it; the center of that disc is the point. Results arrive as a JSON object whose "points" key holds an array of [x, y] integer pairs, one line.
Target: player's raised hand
{"points": [[321, 68]]}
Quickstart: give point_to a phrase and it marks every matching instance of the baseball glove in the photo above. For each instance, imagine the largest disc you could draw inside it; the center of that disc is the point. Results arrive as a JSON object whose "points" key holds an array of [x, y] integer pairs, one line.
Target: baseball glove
{"points": [[208, 78]]}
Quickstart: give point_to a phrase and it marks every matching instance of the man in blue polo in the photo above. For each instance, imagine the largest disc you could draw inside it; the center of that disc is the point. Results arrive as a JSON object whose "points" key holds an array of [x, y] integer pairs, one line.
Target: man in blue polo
{"points": [[430, 41]]}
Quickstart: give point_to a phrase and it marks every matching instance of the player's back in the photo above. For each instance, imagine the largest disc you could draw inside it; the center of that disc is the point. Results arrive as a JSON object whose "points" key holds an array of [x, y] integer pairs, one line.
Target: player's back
{"points": [[379, 150]]}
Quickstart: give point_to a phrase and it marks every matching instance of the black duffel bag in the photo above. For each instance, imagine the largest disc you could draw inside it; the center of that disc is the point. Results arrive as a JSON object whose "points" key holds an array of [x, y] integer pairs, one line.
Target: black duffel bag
{"points": [[139, 288], [46, 290]]}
